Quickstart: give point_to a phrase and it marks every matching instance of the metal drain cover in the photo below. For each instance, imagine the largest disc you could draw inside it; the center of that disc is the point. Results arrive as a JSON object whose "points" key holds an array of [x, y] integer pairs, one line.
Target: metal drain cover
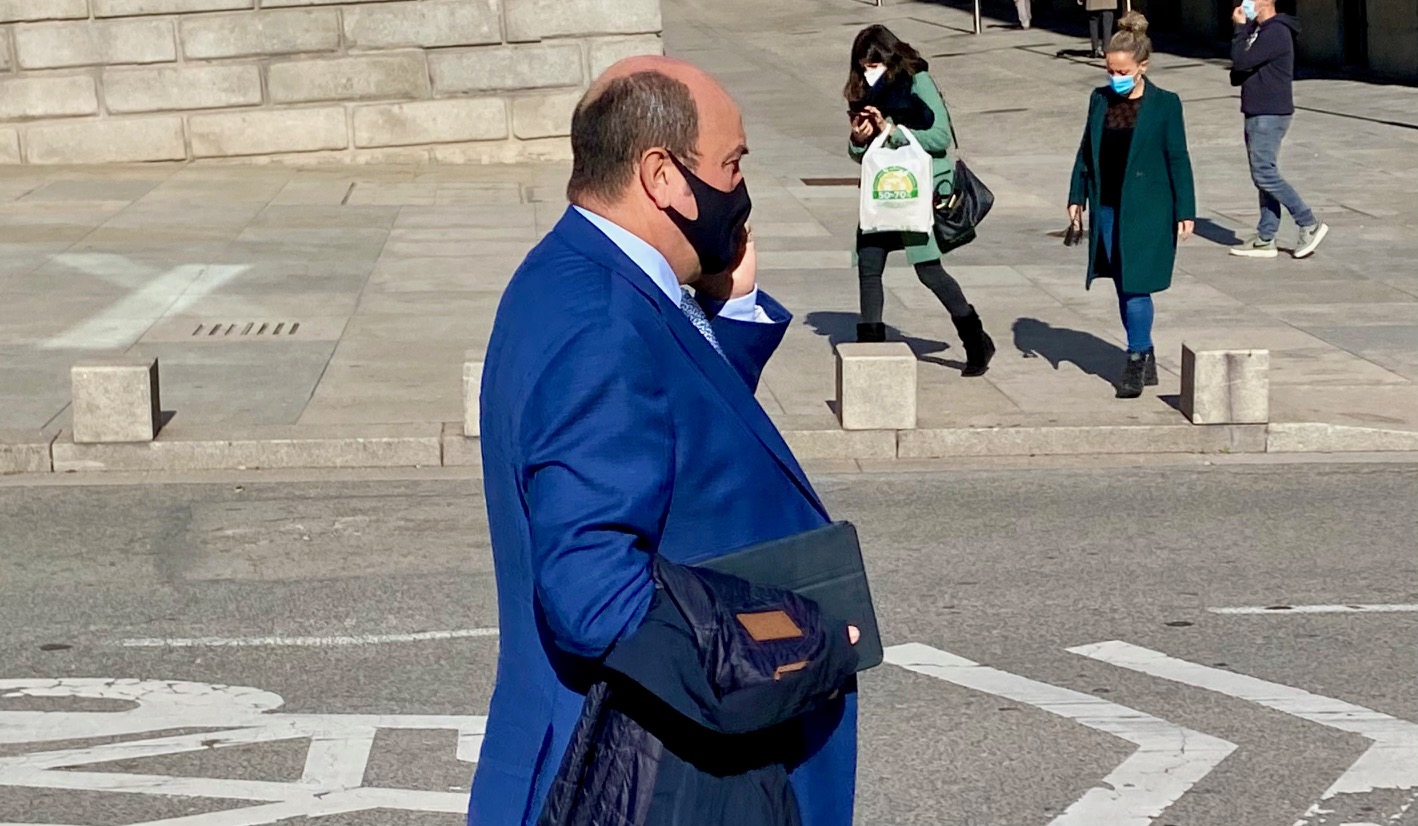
{"points": [[246, 329]]}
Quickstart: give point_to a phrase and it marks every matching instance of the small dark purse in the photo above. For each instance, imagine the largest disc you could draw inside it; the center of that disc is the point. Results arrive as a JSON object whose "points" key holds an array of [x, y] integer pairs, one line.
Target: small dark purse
{"points": [[1073, 236], [958, 215]]}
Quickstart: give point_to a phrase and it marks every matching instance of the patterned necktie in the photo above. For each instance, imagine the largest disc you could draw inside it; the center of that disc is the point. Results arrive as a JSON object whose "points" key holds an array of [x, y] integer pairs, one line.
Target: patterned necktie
{"points": [[697, 317]]}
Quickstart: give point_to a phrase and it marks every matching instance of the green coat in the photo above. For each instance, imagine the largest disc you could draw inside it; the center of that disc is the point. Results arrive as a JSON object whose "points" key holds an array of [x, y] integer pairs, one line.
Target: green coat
{"points": [[1158, 191], [921, 246]]}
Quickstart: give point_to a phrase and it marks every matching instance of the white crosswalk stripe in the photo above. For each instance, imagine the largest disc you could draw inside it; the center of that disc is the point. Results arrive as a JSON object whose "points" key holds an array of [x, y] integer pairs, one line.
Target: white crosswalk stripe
{"points": [[1169, 759], [1390, 763]]}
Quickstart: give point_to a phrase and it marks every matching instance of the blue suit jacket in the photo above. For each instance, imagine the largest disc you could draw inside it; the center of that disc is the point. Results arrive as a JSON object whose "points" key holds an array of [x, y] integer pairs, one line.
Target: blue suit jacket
{"points": [[611, 430]]}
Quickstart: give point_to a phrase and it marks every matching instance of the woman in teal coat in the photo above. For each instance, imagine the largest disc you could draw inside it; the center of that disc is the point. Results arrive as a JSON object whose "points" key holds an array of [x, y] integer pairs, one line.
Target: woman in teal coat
{"points": [[888, 86], [1134, 175]]}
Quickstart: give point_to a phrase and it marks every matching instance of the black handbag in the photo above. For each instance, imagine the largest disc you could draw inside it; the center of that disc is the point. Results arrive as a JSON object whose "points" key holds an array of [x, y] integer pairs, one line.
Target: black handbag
{"points": [[957, 216]]}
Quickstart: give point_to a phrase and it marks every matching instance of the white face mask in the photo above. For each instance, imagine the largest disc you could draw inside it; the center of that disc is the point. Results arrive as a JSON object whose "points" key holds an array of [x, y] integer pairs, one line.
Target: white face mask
{"points": [[874, 74]]}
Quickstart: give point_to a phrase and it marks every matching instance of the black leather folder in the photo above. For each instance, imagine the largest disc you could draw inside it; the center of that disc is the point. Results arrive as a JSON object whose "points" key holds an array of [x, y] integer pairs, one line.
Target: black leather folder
{"points": [[824, 565]]}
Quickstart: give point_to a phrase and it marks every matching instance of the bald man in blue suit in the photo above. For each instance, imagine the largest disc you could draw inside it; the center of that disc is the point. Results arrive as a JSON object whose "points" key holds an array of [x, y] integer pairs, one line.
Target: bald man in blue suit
{"points": [[619, 421]]}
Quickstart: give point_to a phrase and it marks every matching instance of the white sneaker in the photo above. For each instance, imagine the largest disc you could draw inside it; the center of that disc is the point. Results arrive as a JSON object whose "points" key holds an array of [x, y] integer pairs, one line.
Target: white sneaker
{"points": [[1256, 247], [1310, 238]]}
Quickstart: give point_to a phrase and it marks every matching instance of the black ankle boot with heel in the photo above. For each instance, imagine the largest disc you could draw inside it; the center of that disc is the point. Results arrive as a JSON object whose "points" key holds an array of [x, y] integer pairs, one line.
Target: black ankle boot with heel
{"points": [[1149, 367], [979, 347], [871, 333]]}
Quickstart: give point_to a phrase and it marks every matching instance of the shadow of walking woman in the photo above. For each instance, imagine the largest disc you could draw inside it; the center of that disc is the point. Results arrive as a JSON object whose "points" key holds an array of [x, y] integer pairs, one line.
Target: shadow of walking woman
{"points": [[1089, 353]]}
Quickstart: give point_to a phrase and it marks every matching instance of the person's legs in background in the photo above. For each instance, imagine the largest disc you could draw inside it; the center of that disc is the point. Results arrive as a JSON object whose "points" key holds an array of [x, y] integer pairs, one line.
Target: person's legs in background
{"points": [[871, 264], [945, 287], [1264, 134], [1025, 16], [1100, 28], [979, 347]]}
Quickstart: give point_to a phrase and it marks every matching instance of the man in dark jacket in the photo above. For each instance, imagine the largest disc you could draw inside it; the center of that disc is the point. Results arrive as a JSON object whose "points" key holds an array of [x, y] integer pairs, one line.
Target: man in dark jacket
{"points": [[1263, 65]]}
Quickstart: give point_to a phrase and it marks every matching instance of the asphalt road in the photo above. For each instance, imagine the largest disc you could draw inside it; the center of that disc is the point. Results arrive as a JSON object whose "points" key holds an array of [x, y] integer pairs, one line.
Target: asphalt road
{"points": [[327, 584]]}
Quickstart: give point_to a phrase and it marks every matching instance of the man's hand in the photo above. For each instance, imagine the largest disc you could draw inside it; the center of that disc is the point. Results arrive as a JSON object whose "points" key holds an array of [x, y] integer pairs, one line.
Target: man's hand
{"points": [[1238, 16], [1185, 229], [738, 280]]}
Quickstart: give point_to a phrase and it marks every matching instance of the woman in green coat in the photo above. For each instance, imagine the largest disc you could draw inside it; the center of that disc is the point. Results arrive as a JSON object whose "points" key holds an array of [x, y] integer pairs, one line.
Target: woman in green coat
{"points": [[1134, 175], [888, 86]]}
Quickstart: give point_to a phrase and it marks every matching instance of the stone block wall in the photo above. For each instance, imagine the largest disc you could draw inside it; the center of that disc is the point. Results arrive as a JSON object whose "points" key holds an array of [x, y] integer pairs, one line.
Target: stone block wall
{"points": [[118, 81]]}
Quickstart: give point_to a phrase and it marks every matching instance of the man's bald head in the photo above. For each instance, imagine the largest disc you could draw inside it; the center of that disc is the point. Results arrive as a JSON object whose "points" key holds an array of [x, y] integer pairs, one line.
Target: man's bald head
{"points": [[638, 104], [699, 82]]}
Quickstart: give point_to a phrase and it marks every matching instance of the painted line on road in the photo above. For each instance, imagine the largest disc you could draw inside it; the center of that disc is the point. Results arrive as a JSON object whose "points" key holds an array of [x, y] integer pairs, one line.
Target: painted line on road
{"points": [[1169, 759], [1279, 610], [1390, 763], [305, 642]]}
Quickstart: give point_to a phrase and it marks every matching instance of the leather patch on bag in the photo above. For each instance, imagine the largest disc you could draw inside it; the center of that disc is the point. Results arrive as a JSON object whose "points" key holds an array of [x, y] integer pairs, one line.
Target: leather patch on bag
{"points": [[768, 626], [788, 669]]}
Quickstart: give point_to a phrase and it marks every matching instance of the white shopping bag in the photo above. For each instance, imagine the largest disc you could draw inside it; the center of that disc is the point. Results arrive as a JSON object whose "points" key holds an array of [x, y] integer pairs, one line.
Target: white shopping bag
{"points": [[897, 187]]}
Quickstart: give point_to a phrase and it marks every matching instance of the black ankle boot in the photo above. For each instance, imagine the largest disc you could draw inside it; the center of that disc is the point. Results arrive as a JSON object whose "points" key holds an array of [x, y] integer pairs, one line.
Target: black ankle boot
{"points": [[979, 347], [1134, 376], [1149, 367], [871, 333]]}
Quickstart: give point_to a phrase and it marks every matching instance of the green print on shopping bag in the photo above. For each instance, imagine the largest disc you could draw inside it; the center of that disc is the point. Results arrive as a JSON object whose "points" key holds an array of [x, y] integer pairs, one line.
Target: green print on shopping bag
{"points": [[895, 183]]}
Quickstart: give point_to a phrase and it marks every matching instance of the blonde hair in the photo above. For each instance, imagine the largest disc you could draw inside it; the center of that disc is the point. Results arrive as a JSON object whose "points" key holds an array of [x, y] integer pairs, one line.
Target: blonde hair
{"points": [[1131, 37]]}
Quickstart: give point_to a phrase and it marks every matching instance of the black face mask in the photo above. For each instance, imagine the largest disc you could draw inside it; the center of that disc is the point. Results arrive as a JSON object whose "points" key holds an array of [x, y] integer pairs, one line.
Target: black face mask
{"points": [[718, 231]]}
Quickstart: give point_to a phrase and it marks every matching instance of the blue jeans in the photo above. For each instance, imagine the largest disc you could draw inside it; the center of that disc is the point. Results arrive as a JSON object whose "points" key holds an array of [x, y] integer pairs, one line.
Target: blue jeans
{"points": [[1263, 136], [1135, 308]]}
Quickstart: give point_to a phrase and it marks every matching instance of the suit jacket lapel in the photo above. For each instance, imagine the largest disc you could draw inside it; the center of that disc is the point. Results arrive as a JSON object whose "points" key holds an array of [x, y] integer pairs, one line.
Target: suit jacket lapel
{"points": [[581, 235]]}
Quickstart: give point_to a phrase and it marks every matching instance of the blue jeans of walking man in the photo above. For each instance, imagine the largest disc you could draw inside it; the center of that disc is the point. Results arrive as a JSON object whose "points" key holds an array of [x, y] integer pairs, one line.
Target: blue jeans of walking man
{"points": [[1263, 136]]}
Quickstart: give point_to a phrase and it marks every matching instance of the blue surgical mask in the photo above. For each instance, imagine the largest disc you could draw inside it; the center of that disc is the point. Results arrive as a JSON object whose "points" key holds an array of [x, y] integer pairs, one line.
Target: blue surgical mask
{"points": [[1122, 84], [1248, 7]]}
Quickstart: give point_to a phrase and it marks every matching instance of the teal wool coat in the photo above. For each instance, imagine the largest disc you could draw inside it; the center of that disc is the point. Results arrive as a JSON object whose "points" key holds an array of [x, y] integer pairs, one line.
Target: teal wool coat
{"points": [[921, 247], [1158, 190]]}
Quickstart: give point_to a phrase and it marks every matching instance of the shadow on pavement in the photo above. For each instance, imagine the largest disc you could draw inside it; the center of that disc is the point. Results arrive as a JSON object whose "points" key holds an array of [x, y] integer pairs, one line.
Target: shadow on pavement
{"points": [[1091, 354], [842, 327], [1215, 233]]}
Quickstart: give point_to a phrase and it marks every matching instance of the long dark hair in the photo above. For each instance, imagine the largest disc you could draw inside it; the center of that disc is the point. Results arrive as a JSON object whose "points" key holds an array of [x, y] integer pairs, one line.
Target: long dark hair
{"points": [[877, 44]]}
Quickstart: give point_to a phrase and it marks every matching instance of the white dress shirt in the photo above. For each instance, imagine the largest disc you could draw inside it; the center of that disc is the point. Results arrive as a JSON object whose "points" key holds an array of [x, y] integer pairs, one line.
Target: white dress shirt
{"points": [[654, 265]]}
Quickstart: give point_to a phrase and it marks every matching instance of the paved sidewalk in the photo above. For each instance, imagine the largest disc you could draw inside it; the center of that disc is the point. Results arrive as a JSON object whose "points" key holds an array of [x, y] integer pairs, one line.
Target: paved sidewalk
{"points": [[393, 273]]}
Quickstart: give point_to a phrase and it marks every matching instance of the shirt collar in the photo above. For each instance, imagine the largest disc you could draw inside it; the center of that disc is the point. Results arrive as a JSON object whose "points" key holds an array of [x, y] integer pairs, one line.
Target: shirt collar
{"points": [[646, 257]]}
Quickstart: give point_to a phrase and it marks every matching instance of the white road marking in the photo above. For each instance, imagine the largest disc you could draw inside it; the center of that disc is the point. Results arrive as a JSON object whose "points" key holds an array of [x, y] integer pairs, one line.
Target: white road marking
{"points": [[1390, 763], [305, 642], [1169, 759], [1281, 610], [336, 760]]}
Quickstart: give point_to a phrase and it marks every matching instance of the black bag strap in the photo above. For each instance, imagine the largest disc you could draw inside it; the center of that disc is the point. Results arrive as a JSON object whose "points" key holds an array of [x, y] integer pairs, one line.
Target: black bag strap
{"points": [[949, 118]]}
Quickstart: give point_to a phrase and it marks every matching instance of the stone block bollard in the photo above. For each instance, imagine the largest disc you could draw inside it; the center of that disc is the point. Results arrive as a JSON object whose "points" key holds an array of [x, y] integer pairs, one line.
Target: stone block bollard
{"points": [[472, 397], [115, 400], [876, 386], [1226, 386]]}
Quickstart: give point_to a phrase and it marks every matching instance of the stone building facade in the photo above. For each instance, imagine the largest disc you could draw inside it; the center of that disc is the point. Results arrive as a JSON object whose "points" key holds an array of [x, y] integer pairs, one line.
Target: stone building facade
{"points": [[1378, 36], [453, 81]]}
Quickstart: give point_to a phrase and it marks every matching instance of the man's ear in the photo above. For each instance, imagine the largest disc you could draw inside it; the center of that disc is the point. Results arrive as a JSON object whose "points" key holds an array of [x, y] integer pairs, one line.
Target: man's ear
{"points": [[658, 177]]}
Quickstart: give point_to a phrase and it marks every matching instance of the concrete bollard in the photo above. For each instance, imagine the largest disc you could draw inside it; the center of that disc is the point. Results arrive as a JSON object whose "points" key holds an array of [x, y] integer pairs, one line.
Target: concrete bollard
{"points": [[876, 386], [472, 397], [1226, 386], [115, 400]]}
